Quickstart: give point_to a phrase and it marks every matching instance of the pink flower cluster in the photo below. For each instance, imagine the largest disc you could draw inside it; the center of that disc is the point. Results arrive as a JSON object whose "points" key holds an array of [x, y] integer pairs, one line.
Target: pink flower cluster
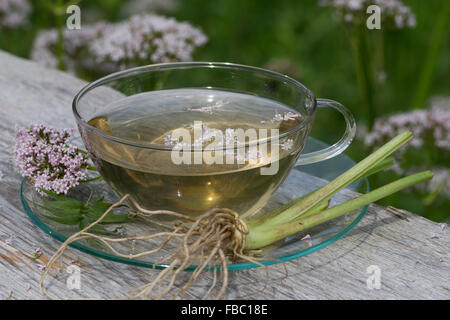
{"points": [[43, 155], [354, 11], [431, 130], [109, 47], [433, 123], [75, 47], [14, 13]]}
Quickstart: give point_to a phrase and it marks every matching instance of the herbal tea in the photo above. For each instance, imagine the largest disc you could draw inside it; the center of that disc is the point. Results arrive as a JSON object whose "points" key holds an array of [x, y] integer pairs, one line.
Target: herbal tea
{"points": [[149, 173]]}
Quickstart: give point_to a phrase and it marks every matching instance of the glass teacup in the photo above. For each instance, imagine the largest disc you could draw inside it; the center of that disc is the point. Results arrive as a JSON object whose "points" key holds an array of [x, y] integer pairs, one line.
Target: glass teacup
{"points": [[189, 137]]}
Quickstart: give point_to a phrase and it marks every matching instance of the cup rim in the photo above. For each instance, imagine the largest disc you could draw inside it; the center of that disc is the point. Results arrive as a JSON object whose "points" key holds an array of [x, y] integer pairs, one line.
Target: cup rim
{"points": [[177, 65]]}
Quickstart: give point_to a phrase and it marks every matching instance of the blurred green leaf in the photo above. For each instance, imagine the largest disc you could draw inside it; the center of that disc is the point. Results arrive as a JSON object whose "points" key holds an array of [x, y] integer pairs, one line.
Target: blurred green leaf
{"points": [[431, 197], [97, 208], [70, 211], [70, 220], [96, 228], [67, 204]]}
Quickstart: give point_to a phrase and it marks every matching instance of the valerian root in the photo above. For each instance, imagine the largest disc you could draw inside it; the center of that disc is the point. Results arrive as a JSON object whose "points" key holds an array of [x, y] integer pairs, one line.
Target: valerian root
{"points": [[206, 243]]}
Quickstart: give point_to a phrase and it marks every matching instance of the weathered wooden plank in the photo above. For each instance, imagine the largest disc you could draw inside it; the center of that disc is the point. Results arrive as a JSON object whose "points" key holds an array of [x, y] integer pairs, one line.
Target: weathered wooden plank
{"points": [[413, 255]]}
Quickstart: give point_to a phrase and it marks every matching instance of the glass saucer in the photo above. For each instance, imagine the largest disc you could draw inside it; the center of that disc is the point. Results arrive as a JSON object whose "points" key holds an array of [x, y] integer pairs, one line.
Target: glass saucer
{"points": [[292, 247]]}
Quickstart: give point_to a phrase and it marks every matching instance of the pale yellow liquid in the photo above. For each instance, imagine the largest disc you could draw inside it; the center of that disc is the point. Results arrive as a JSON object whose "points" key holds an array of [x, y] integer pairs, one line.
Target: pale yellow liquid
{"points": [[157, 183]]}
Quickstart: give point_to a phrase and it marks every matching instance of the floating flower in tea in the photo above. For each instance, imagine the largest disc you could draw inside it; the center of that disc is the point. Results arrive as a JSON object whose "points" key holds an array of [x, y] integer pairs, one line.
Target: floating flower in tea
{"points": [[215, 149]]}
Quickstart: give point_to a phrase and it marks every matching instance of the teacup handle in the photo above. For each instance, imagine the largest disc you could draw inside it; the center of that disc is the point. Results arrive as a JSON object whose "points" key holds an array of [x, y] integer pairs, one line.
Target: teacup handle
{"points": [[339, 146]]}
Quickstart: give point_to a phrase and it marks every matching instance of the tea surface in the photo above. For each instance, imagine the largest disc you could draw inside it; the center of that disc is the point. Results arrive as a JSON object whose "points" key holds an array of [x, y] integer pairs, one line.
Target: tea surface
{"points": [[158, 183]]}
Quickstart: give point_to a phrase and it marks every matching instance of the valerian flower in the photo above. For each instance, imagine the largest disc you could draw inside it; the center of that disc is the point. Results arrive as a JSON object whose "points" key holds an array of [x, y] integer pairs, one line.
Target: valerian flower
{"points": [[431, 130], [76, 46], [109, 47], [430, 124], [308, 239], [9, 240], [287, 145], [354, 11], [14, 13], [37, 253], [286, 116], [44, 155]]}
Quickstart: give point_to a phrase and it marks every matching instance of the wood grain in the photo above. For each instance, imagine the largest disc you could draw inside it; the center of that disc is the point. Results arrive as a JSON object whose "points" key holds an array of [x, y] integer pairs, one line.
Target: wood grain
{"points": [[413, 253]]}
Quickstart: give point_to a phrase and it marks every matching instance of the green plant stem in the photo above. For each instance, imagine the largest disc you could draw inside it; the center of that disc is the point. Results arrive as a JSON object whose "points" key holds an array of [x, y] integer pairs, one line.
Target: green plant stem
{"points": [[384, 164], [92, 179], [263, 235], [60, 13], [429, 65], [342, 181], [323, 205], [320, 207], [363, 72]]}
